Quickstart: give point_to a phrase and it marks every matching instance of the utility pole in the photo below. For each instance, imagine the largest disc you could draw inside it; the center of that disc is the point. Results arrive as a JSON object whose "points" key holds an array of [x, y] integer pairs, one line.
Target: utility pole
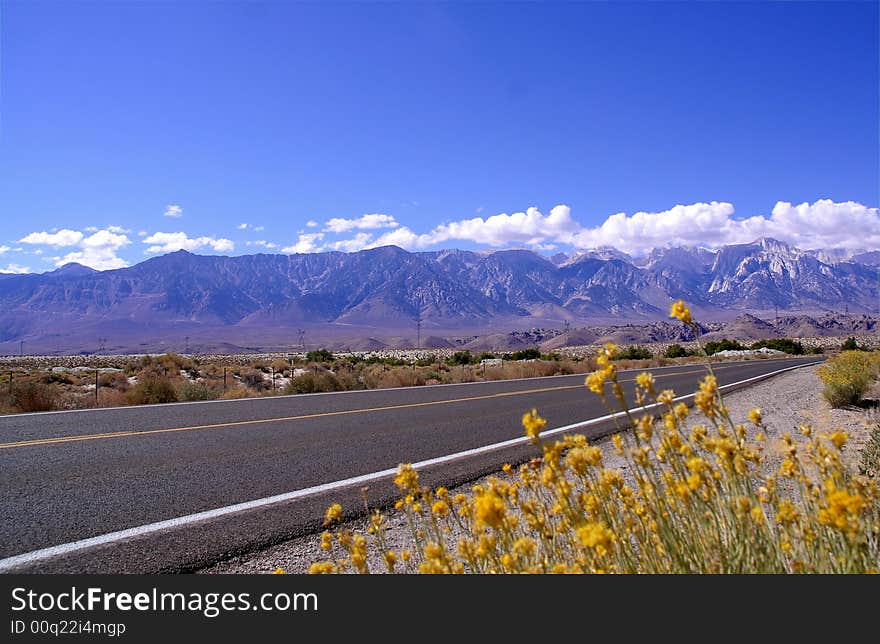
{"points": [[224, 378], [302, 339], [96, 387]]}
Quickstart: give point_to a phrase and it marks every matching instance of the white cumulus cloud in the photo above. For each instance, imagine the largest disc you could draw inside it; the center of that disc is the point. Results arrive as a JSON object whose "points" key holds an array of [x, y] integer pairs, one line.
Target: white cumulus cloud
{"points": [[306, 243], [170, 242], [15, 269], [822, 224], [826, 224], [262, 243], [311, 223], [530, 227], [365, 222], [3, 249], [356, 243], [173, 210], [98, 251], [60, 238], [699, 223]]}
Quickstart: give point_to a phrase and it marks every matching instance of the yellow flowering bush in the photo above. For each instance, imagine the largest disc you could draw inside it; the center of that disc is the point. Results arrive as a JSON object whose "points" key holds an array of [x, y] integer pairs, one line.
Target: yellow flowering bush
{"points": [[848, 376], [695, 499]]}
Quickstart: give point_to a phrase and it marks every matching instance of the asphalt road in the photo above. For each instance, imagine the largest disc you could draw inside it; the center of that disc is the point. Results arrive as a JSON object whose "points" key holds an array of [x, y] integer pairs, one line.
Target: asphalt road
{"points": [[67, 476]]}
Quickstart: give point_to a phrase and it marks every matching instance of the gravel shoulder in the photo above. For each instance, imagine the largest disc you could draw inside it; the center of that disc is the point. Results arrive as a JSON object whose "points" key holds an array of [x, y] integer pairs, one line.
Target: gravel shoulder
{"points": [[787, 401]]}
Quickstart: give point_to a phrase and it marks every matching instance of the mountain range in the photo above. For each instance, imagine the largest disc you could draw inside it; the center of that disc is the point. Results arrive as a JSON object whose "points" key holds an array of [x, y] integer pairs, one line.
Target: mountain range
{"points": [[263, 301]]}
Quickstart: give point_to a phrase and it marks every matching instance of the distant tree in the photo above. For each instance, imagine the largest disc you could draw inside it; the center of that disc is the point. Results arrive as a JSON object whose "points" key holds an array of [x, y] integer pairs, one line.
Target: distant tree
{"points": [[461, 357], [714, 346], [319, 355], [676, 351], [850, 344], [526, 354], [785, 345], [633, 353]]}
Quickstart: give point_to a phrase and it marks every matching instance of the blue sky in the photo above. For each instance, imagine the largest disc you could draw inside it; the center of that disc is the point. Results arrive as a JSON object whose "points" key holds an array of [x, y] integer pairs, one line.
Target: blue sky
{"points": [[131, 129]]}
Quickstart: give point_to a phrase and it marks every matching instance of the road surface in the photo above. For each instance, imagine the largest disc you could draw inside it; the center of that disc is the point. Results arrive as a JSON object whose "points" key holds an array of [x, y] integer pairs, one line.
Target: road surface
{"points": [[71, 476]]}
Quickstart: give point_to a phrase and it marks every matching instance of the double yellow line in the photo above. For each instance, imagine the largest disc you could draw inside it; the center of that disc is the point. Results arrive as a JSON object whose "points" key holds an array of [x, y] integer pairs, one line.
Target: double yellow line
{"points": [[326, 414]]}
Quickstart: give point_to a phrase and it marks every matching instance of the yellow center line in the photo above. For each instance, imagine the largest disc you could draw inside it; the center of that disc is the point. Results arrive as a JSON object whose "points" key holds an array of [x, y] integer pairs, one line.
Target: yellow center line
{"points": [[325, 414]]}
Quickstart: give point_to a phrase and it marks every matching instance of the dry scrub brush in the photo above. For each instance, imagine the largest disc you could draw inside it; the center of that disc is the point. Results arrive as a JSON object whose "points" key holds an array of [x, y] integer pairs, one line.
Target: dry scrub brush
{"points": [[848, 376]]}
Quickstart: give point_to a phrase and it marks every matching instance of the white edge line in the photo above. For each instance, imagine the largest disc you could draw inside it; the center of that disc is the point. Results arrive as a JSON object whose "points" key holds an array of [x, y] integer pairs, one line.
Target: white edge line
{"points": [[35, 556], [364, 391]]}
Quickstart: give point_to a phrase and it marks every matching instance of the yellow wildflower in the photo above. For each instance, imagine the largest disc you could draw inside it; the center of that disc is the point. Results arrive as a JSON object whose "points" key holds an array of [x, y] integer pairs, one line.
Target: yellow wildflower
{"points": [[646, 381], [666, 397], [681, 312], [839, 439], [596, 536], [595, 382], [334, 513], [407, 478], [533, 424], [786, 512], [842, 509], [524, 546], [440, 508], [490, 509], [322, 568]]}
